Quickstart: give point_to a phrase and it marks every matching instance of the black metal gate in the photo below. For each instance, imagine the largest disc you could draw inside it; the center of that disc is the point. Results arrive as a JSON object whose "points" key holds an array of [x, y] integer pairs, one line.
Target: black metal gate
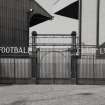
{"points": [[54, 66], [54, 63]]}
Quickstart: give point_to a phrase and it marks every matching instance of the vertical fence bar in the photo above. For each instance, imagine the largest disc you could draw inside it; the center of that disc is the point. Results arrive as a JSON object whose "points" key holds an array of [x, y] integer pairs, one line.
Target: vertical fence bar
{"points": [[93, 70], [0, 68], [34, 56], [14, 71], [74, 73]]}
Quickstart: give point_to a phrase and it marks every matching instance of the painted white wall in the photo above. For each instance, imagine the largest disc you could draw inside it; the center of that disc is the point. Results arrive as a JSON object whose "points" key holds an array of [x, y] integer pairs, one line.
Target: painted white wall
{"points": [[59, 25], [89, 17], [102, 22]]}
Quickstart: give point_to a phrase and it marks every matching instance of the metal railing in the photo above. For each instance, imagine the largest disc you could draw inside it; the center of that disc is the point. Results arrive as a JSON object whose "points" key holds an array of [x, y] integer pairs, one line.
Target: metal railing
{"points": [[55, 63]]}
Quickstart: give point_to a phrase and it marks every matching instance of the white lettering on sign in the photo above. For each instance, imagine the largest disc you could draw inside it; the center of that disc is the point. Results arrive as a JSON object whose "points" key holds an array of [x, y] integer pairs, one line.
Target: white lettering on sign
{"points": [[13, 50]]}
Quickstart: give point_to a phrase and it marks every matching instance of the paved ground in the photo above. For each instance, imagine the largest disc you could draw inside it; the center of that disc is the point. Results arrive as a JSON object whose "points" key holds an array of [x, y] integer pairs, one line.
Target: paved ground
{"points": [[52, 95]]}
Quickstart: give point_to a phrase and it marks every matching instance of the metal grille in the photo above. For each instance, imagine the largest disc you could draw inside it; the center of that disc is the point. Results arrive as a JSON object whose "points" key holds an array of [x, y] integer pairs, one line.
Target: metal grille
{"points": [[91, 70], [55, 63], [13, 70]]}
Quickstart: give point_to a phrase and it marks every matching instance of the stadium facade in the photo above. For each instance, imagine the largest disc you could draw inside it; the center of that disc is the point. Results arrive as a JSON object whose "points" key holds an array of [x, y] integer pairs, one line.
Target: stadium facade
{"points": [[16, 16], [51, 65]]}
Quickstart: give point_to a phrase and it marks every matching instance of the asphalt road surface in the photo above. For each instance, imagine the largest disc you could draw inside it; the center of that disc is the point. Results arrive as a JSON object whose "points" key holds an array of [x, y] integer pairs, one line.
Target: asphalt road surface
{"points": [[52, 95]]}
